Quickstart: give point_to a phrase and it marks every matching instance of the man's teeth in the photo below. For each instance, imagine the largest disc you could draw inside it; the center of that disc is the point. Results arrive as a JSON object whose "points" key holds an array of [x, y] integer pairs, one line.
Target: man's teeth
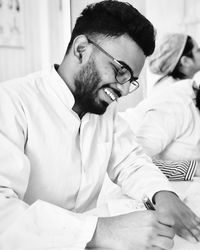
{"points": [[110, 94]]}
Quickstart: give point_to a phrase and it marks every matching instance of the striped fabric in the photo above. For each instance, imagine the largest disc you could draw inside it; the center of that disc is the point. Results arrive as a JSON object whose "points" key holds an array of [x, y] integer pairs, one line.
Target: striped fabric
{"points": [[177, 170]]}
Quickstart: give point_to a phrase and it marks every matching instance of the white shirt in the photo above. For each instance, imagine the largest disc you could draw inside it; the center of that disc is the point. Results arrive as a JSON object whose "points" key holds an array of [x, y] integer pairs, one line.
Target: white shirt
{"points": [[52, 164], [168, 123], [162, 85]]}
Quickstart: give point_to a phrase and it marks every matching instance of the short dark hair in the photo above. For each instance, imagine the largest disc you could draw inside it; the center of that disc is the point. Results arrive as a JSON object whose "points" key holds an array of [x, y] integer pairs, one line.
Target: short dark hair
{"points": [[198, 99], [112, 19], [177, 73]]}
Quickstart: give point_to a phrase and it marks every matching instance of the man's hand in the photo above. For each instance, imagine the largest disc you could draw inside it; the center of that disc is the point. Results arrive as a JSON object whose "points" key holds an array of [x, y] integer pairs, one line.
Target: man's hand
{"points": [[187, 224], [138, 230]]}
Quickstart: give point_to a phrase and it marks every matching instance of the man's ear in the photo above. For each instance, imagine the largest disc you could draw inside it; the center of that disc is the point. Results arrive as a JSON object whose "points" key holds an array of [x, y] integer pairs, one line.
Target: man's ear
{"points": [[185, 61], [81, 48]]}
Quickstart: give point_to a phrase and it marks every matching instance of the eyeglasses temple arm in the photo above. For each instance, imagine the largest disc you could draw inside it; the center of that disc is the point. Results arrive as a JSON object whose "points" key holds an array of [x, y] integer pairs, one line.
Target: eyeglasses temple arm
{"points": [[102, 50]]}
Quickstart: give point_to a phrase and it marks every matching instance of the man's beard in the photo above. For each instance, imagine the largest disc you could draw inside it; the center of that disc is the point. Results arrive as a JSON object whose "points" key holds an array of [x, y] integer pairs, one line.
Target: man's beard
{"points": [[86, 90]]}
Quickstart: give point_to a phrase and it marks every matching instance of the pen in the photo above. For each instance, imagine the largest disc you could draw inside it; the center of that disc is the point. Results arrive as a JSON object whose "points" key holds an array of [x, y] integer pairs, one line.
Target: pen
{"points": [[147, 203]]}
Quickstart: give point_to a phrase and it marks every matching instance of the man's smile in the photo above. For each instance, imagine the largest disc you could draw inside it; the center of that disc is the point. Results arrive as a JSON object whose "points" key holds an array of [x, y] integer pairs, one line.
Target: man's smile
{"points": [[112, 93]]}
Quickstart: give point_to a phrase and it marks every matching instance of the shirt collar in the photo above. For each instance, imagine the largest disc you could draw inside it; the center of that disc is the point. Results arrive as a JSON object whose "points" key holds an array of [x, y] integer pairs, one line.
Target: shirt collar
{"points": [[60, 87], [64, 93], [185, 87]]}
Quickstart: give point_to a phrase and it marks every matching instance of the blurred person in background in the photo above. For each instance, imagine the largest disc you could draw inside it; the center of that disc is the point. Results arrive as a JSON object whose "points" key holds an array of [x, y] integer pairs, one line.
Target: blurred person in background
{"points": [[167, 122]]}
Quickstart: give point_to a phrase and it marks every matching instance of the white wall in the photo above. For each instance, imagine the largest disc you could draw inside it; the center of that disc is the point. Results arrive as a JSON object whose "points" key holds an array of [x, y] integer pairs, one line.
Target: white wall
{"points": [[47, 31], [59, 28]]}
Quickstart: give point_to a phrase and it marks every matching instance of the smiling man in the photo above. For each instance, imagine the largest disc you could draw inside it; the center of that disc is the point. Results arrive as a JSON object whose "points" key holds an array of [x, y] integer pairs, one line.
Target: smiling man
{"points": [[60, 135], [95, 77]]}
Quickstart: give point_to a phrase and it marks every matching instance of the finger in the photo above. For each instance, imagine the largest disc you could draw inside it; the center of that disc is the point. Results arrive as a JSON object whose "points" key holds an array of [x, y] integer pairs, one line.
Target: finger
{"points": [[166, 231], [195, 234], [162, 242], [156, 248], [166, 220], [193, 228], [188, 235], [194, 221], [197, 219]]}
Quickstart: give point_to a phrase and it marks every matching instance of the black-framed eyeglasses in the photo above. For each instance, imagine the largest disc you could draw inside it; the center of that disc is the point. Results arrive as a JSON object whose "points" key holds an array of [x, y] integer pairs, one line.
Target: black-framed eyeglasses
{"points": [[124, 73]]}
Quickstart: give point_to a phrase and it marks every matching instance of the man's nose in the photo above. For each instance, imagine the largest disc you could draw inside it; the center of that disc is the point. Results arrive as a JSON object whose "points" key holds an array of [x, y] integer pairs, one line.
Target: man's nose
{"points": [[124, 88]]}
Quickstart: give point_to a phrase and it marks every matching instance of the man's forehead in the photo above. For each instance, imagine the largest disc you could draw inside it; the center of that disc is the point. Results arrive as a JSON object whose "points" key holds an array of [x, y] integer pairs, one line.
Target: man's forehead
{"points": [[125, 49]]}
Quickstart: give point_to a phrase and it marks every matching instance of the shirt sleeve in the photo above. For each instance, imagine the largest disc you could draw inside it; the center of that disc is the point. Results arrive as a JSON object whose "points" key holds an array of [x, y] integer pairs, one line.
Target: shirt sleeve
{"points": [[162, 124], [177, 170], [131, 168], [46, 226], [40, 225]]}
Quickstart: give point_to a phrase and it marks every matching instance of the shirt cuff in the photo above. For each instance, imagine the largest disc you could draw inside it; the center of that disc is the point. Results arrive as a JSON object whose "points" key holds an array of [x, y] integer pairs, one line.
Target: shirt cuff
{"points": [[47, 226], [191, 170]]}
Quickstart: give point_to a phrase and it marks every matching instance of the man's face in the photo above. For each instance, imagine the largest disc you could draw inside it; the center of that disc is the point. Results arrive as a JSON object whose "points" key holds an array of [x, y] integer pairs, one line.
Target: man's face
{"points": [[95, 84], [196, 57]]}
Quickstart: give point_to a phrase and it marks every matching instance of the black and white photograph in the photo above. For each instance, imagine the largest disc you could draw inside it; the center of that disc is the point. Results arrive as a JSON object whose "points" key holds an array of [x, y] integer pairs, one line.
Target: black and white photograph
{"points": [[99, 124]]}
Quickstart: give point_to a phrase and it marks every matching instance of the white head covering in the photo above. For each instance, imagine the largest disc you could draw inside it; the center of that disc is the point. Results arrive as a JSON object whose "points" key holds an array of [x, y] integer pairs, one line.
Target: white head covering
{"points": [[167, 53]]}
